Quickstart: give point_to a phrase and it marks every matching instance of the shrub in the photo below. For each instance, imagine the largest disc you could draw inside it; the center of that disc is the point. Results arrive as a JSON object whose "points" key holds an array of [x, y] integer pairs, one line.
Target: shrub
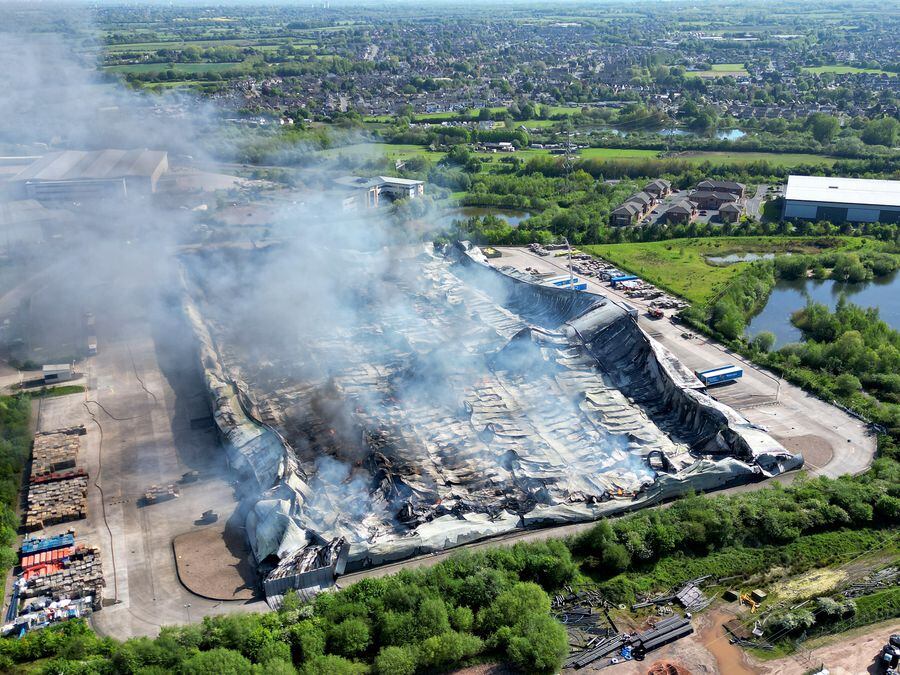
{"points": [[349, 637], [523, 599], [219, 661], [307, 640], [332, 665], [440, 651], [395, 661], [539, 644]]}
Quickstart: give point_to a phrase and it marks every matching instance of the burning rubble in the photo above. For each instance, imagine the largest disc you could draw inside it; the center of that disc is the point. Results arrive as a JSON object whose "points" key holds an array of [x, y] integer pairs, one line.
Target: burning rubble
{"points": [[439, 401]]}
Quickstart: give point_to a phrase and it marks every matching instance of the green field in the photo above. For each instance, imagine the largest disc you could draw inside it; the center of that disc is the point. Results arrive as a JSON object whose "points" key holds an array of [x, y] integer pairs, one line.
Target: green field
{"points": [[617, 153], [392, 150], [781, 159], [720, 70], [846, 70], [680, 266], [398, 151], [191, 68]]}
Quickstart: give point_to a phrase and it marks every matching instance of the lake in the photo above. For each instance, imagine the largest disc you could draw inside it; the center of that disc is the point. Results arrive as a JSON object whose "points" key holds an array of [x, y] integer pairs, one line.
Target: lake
{"points": [[789, 296], [511, 216]]}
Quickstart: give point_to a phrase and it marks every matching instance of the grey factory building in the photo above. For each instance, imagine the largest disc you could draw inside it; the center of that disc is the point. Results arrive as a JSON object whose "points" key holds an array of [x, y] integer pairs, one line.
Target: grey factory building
{"points": [[469, 403], [838, 200], [76, 175]]}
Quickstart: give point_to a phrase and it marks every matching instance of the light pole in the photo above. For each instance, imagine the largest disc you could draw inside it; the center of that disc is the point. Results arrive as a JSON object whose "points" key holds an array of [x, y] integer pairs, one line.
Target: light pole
{"points": [[187, 608], [571, 273]]}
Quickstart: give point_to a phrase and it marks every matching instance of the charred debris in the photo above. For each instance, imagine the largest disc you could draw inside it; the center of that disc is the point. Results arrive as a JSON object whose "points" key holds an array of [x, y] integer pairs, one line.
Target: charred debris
{"points": [[419, 401]]}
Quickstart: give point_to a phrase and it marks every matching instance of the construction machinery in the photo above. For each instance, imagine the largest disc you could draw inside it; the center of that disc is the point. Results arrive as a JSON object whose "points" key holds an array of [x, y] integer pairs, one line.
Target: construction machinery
{"points": [[750, 602]]}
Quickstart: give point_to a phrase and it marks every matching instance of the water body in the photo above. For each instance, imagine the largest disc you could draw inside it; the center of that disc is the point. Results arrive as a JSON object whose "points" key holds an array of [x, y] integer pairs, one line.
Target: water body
{"points": [[724, 135], [511, 216], [731, 258], [789, 296], [730, 135]]}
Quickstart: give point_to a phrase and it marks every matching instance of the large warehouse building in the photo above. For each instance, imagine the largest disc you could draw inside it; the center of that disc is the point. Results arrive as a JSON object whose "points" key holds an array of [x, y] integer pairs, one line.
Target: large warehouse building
{"points": [[840, 200], [75, 175]]}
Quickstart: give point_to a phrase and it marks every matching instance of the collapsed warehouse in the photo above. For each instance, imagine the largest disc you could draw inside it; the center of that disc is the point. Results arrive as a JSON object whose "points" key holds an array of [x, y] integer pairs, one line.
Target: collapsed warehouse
{"points": [[433, 400]]}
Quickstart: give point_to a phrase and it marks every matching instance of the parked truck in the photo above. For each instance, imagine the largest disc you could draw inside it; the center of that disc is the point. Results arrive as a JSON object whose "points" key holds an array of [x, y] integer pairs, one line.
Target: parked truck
{"points": [[614, 281], [720, 374]]}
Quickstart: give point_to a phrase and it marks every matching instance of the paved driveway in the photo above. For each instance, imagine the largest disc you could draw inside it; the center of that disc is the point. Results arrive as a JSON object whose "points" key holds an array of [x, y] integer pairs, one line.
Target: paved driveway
{"points": [[754, 204]]}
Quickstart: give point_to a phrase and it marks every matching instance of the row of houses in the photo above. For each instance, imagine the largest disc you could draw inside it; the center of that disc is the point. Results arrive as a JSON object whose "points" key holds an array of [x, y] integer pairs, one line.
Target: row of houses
{"points": [[640, 203], [726, 197]]}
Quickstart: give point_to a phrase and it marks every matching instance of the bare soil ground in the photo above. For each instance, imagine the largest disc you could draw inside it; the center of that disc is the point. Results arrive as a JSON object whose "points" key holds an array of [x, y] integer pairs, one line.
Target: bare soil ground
{"points": [[852, 653], [488, 669], [709, 652], [214, 562], [816, 450]]}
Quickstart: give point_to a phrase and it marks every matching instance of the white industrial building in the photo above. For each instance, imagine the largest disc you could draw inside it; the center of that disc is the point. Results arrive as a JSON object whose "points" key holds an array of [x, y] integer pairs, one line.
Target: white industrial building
{"points": [[841, 200], [58, 372], [75, 175], [372, 192]]}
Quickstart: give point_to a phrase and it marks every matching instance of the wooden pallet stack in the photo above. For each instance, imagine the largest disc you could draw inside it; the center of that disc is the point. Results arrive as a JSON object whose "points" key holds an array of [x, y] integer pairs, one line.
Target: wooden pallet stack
{"points": [[57, 490], [80, 575], [54, 451], [56, 502]]}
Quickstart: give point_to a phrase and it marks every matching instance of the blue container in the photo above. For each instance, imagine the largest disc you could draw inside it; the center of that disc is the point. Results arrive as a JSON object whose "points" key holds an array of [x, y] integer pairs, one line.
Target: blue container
{"points": [[35, 545]]}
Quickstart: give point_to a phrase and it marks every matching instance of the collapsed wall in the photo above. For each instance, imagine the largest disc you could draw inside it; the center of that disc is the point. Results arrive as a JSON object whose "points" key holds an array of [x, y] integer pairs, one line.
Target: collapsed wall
{"points": [[468, 403]]}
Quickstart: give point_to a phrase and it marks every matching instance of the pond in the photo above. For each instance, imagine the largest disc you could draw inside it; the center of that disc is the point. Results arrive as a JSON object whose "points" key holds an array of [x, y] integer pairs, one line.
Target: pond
{"points": [[730, 135], [724, 135], [731, 258], [511, 216], [789, 296]]}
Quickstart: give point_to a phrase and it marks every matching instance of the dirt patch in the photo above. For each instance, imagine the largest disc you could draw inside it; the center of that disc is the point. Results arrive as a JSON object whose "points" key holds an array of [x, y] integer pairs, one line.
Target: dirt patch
{"points": [[852, 654], [712, 635], [816, 450], [666, 668], [688, 655], [488, 669], [214, 562]]}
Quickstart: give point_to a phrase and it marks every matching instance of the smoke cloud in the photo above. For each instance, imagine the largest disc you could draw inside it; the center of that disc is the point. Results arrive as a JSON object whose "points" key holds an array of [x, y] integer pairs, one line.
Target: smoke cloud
{"points": [[407, 389]]}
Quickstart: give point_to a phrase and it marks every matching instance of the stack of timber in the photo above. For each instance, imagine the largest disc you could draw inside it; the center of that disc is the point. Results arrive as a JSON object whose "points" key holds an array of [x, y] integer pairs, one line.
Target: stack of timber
{"points": [[56, 502], [57, 487], [79, 575]]}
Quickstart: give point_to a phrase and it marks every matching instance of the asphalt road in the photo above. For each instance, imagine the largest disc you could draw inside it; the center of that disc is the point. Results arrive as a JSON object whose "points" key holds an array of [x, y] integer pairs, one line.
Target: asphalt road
{"points": [[754, 203]]}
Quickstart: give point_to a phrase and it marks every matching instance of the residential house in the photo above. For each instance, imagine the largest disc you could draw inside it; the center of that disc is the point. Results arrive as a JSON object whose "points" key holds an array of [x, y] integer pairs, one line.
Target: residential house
{"points": [[625, 215], [730, 212], [658, 188], [634, 208], [683, 211], [737, 189], [708, 199]]}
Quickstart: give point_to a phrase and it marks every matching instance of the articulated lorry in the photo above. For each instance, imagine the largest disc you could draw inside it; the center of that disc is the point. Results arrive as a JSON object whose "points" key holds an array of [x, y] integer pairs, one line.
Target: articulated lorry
{"points": [[719, 375]]}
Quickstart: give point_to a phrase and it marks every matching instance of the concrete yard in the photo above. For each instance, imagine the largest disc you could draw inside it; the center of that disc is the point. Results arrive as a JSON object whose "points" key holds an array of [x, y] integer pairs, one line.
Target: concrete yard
{"points": [[832, 442], [144, 392]]}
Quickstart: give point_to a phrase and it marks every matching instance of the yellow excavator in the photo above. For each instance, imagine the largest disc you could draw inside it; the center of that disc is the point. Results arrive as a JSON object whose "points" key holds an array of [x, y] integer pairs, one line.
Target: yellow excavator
{"points": [[750, 602]]}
